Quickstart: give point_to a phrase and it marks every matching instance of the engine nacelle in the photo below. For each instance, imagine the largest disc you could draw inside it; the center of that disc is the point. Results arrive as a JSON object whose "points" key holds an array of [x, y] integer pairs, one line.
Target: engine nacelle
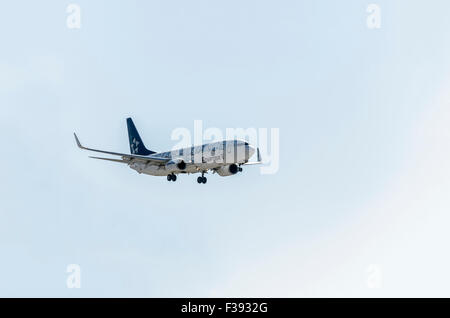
{"points": [[175, 165], [228, 170]]}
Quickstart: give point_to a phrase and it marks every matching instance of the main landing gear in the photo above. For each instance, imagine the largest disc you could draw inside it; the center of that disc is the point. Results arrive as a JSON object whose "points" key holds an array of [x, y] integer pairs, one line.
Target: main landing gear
{"points": [[202, 179], [171, 177]]}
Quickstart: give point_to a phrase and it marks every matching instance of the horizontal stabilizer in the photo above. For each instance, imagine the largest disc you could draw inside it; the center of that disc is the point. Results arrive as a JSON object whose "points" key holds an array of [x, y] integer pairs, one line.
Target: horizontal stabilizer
{"points": [[110, 159]]}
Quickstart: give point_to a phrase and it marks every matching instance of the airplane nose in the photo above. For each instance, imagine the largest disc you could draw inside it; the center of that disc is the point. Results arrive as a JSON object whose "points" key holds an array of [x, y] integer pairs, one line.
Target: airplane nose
{"points": [[250, 150]]}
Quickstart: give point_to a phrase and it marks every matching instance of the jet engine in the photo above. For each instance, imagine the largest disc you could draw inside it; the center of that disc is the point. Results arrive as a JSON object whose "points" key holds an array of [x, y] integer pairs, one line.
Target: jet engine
{"points": [[228, 170], [175, 165]]}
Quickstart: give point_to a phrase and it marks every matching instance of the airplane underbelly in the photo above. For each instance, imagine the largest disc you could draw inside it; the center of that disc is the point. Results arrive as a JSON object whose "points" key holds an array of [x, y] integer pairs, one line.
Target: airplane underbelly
{"points": [[153, 170], [158, 170]]}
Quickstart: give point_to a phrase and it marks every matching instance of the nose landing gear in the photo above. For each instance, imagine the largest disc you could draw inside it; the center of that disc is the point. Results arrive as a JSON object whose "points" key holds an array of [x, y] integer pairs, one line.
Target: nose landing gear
{"points": [[171, 177], [202, 179]]}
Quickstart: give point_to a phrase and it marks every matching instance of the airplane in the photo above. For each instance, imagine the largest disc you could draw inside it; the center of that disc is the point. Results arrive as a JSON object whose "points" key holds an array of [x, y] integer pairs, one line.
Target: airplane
{"points": [[223, 157]]}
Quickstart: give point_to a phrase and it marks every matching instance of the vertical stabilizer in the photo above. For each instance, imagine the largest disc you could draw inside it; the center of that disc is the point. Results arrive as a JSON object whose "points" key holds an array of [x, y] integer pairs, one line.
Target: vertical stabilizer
{"points": [[137, 146]]}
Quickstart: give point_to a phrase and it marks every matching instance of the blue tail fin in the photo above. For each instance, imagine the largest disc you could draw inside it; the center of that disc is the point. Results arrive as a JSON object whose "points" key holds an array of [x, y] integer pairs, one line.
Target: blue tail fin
{"points": [[136, 144]]}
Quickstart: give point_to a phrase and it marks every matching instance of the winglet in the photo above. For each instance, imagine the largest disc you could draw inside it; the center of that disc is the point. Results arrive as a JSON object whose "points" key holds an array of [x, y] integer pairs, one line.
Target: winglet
{"points": [[77, 140]]}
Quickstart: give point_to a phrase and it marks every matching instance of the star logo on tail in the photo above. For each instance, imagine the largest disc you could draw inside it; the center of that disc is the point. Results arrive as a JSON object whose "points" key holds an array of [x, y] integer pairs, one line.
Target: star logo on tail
{"points": [[134, 146]]}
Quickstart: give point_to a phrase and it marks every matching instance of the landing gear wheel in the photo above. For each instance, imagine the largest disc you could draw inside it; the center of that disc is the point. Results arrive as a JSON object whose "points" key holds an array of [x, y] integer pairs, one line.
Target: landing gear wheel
{"points": [[169, 177], [202, 179], [174, 178]]}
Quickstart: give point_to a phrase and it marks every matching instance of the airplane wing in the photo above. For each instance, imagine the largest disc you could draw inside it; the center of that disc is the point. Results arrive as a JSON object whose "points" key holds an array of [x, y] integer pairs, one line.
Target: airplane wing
{"points": [[252, 163], [126, 158]]}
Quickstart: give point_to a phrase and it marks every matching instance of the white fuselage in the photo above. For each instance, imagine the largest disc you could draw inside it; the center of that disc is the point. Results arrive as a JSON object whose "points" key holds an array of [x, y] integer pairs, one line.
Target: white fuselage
{"points": [[198, 158]]}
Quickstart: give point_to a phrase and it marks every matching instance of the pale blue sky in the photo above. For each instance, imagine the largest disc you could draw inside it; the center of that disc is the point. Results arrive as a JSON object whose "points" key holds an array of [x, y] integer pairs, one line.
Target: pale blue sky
{"points": [[357, 109]]}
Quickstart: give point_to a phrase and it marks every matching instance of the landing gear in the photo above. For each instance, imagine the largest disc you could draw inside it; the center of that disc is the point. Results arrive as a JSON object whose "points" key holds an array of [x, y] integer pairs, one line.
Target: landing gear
{"points": [[171, 177], [202, 179]]}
